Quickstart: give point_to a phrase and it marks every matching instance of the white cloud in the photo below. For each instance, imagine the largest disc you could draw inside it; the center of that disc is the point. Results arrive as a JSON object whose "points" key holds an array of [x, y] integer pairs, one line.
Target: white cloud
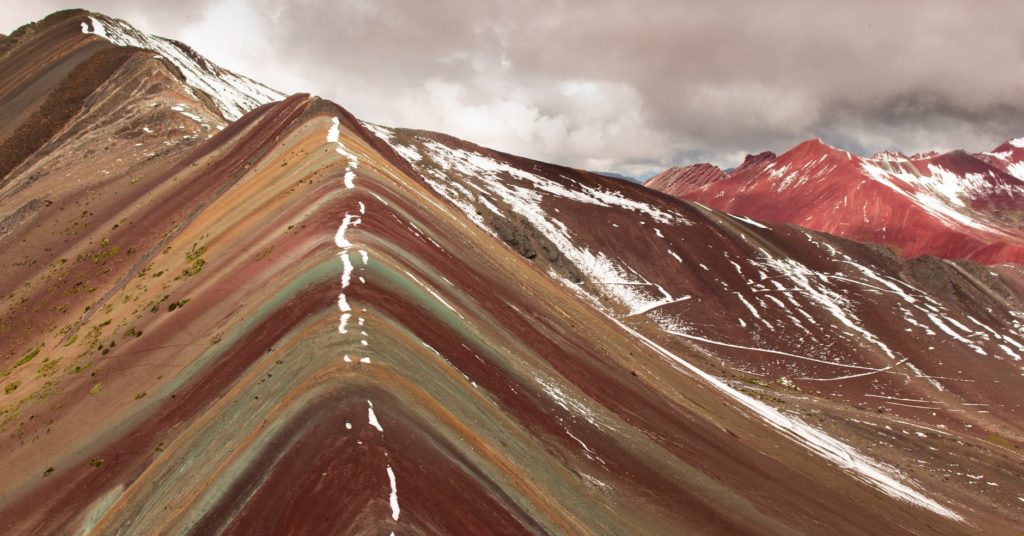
{"points": [[625, 86]]}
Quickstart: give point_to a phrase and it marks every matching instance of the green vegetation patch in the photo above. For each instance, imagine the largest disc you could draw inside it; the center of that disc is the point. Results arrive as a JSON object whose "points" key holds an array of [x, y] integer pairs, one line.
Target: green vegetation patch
{"points": [[997, 439], [28, 357], [195, 259], [178, 304]]}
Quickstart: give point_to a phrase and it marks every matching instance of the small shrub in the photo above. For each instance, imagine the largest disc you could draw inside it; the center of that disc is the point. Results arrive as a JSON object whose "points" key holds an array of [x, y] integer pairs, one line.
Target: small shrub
{"points": [[48, 366], [28, 357], [997, 439], [264, 252], [178, 304], [196, 262]]}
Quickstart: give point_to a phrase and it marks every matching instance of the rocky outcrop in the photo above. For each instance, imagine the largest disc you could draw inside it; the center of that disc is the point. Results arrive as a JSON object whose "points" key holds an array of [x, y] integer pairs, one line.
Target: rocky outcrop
{"points": [[753, 160]]}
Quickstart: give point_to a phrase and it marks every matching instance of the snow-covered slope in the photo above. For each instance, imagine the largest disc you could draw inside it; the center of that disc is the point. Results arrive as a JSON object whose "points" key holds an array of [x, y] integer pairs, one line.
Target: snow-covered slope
{"points": [[814, 298], [1009, 157], [233, 94], [780, 303]]}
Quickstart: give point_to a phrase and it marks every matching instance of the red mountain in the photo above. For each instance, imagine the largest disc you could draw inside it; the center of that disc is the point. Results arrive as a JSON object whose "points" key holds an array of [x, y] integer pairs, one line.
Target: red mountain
{"points": [[954, 205], [1008, 157]]}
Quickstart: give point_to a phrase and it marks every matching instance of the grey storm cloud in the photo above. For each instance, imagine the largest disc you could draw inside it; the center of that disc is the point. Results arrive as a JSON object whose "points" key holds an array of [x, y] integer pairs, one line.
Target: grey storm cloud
{"points": [[625, 86]]}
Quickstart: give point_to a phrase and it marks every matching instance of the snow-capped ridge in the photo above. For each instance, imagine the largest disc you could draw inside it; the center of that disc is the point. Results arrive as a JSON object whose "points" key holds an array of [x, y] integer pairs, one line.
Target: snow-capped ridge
{"points": [[890, 156], [233, 94]]}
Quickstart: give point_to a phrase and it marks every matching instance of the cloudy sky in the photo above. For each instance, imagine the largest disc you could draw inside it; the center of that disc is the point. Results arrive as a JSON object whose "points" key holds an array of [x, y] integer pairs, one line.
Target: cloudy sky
{"points": [[626, 86]]}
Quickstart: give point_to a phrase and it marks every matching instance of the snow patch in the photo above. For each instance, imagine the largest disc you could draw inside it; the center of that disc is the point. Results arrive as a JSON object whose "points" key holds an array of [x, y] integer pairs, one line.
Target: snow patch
{"points": [[749, 221], [395, 510], [97, 28], [372, 417], [522, 192]]}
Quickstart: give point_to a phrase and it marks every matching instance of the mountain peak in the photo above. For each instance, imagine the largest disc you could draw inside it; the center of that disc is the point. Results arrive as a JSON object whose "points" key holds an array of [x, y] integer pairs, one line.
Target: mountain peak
{"points": [[1011, 145], [752, 160], [924, 155], [889, 156], [815, 149], [686, 177], [816, 145]]}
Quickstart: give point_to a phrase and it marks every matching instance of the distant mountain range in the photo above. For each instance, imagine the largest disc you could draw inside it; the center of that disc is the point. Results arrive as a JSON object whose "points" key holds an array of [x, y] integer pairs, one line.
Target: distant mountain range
{"points": [[953, 205], [637, 179]]}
